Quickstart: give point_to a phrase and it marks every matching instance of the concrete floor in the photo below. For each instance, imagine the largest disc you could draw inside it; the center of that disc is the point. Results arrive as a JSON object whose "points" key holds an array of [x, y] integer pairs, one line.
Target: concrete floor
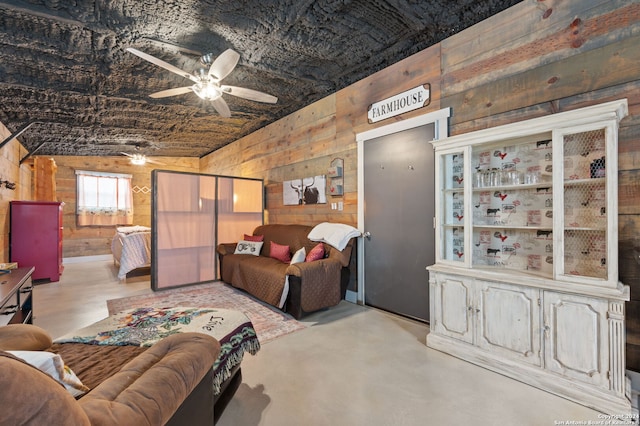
{"points": [[352, 365]]}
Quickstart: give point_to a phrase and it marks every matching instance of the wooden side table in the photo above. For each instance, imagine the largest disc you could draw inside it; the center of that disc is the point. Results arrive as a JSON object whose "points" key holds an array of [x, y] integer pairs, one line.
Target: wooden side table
{"points": [[16, 301]]}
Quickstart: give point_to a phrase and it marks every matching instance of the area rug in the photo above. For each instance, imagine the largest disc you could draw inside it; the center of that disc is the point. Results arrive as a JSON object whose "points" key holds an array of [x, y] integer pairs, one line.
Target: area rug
{"points": [[268, 322]]}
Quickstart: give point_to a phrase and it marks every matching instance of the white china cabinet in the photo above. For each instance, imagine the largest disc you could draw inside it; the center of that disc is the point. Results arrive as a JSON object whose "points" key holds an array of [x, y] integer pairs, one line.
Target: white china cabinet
{"points": [[526, 278]]}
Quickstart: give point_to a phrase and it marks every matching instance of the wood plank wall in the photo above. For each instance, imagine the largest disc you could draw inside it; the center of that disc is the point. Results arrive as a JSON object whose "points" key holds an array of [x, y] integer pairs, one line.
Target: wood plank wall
{"points": [[536, 58], [12, 171], [96, 240]]}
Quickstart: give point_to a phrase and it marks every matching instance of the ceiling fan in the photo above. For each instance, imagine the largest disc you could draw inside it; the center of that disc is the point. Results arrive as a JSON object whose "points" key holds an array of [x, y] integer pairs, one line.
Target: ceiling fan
{"points": [[141, 159], [207, 84]]}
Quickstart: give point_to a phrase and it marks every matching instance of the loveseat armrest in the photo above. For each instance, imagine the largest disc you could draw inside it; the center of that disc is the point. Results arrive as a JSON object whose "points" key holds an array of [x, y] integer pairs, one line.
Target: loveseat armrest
{"points": [[322, 267], [316, 285], [344, 256], [226, 248], [151, 387], [24, 337]]}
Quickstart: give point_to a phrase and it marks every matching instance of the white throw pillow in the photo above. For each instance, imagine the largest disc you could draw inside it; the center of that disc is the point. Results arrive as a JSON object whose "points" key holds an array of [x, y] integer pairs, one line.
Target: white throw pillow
{"points": [[52, 365], [248, 247], [298, 256]]}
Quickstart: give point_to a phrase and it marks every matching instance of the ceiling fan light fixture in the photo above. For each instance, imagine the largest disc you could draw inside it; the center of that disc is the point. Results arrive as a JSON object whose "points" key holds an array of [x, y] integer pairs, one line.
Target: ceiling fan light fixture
{"points": [[138, 159], [207, 91]]}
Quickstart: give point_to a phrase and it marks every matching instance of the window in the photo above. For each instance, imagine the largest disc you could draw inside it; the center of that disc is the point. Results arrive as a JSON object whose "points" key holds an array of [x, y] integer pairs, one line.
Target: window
{"points": [[104, 199]]}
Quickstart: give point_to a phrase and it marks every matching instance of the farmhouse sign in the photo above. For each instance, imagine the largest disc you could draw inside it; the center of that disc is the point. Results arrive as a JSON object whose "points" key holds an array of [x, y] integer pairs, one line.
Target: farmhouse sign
{"points": [[403, 102]]}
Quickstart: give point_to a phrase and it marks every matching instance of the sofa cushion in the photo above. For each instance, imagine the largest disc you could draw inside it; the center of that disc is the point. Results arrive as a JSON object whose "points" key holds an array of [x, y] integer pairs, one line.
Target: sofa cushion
{"points": [[93, 364], [30, 397], [261, 276], [280, 252], [256, 238], [316, 253], [24, 337]]}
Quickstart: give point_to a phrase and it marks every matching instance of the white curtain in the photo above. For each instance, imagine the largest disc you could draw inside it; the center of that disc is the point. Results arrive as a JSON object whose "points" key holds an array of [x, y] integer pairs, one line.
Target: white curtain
{"points": [[104, 199]]}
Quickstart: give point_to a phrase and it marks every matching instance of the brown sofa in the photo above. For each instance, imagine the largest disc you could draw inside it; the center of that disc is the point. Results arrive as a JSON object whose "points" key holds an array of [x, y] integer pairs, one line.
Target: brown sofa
{"points": [[312, 285], [169, 383]]}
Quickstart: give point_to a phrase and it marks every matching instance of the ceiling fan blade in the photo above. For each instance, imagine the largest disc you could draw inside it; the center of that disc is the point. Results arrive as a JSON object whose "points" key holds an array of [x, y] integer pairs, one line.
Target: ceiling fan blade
{"points": [[171, 92], [163, 64], [221, 106], [252, 95], [149, 160], [128, 155], [224, 64]]}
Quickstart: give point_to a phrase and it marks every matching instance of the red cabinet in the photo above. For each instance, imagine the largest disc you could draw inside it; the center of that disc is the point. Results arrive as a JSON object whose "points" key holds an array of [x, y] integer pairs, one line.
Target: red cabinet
{"points": [[35, 237]]}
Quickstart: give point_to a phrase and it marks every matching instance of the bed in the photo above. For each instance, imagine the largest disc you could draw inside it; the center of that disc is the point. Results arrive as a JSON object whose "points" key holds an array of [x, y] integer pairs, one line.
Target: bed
{"points": [[131, 248]]}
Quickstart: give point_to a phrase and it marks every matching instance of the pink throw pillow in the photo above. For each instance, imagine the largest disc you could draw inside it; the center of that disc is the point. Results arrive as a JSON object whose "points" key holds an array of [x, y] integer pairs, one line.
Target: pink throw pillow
{"points": [[254, 238], [280, 252], [316, 253]]}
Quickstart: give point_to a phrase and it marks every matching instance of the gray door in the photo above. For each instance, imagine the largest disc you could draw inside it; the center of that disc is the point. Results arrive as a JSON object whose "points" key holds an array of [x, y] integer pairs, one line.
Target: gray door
{"points": [[398, 221]]}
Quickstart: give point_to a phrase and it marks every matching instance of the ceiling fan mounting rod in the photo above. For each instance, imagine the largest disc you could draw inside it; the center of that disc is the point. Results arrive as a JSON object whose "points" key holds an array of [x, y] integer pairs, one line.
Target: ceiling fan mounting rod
{"points": [[206, 59]]}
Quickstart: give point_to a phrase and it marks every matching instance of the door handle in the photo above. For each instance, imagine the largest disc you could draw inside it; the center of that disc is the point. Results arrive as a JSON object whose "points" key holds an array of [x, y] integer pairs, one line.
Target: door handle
{"points": [[367, 235]]}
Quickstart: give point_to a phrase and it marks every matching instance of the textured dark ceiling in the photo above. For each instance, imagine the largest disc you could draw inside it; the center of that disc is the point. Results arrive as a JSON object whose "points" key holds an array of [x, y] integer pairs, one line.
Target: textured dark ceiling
{"points": [[64, 67]]}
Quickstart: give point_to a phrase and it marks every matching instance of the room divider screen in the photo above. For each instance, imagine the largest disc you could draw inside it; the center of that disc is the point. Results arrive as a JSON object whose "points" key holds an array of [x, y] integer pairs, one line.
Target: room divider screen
{"points": [[190, 214]]}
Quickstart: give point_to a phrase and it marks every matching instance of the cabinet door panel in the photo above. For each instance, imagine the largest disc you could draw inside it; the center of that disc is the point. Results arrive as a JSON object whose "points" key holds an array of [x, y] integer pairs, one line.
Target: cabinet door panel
{"points": [[450, 207], [576, 337], [509, 321], [454, 314]]}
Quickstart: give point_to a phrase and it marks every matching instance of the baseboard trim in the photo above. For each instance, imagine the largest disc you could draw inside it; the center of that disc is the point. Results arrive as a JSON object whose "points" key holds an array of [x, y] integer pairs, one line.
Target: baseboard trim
{"points": [[82, 259]]}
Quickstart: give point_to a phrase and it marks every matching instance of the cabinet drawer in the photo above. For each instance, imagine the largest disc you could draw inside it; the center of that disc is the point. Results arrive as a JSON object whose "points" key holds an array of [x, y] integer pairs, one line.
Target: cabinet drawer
{"points": [[8, 310], [24, 294]]}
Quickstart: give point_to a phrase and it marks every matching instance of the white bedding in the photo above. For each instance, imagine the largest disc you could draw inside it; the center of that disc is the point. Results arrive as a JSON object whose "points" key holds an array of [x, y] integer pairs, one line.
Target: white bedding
{"points": [[131, 248]]}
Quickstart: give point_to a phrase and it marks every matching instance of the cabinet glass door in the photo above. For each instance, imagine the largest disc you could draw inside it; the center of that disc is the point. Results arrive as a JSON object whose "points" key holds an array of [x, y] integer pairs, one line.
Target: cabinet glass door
{"points": [[585, 204], [453, 211], [512, 205]]}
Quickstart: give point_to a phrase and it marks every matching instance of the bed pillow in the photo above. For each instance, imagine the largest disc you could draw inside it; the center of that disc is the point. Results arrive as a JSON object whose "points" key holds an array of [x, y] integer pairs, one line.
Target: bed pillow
{"points": [[248, 247], [316, 253], [256, 238], [52, 365], [299, 256], [280, 252]]}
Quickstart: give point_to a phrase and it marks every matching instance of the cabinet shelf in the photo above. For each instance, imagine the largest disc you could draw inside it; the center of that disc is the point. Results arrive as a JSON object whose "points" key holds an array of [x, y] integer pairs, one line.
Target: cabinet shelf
{"points": [[517, 228], [579, 182], [597, 229], [519, 186]]}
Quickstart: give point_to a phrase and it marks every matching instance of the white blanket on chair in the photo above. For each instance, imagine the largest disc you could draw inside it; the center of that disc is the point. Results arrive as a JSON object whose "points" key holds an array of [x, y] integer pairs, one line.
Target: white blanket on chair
{"points": [[335, 234]]}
